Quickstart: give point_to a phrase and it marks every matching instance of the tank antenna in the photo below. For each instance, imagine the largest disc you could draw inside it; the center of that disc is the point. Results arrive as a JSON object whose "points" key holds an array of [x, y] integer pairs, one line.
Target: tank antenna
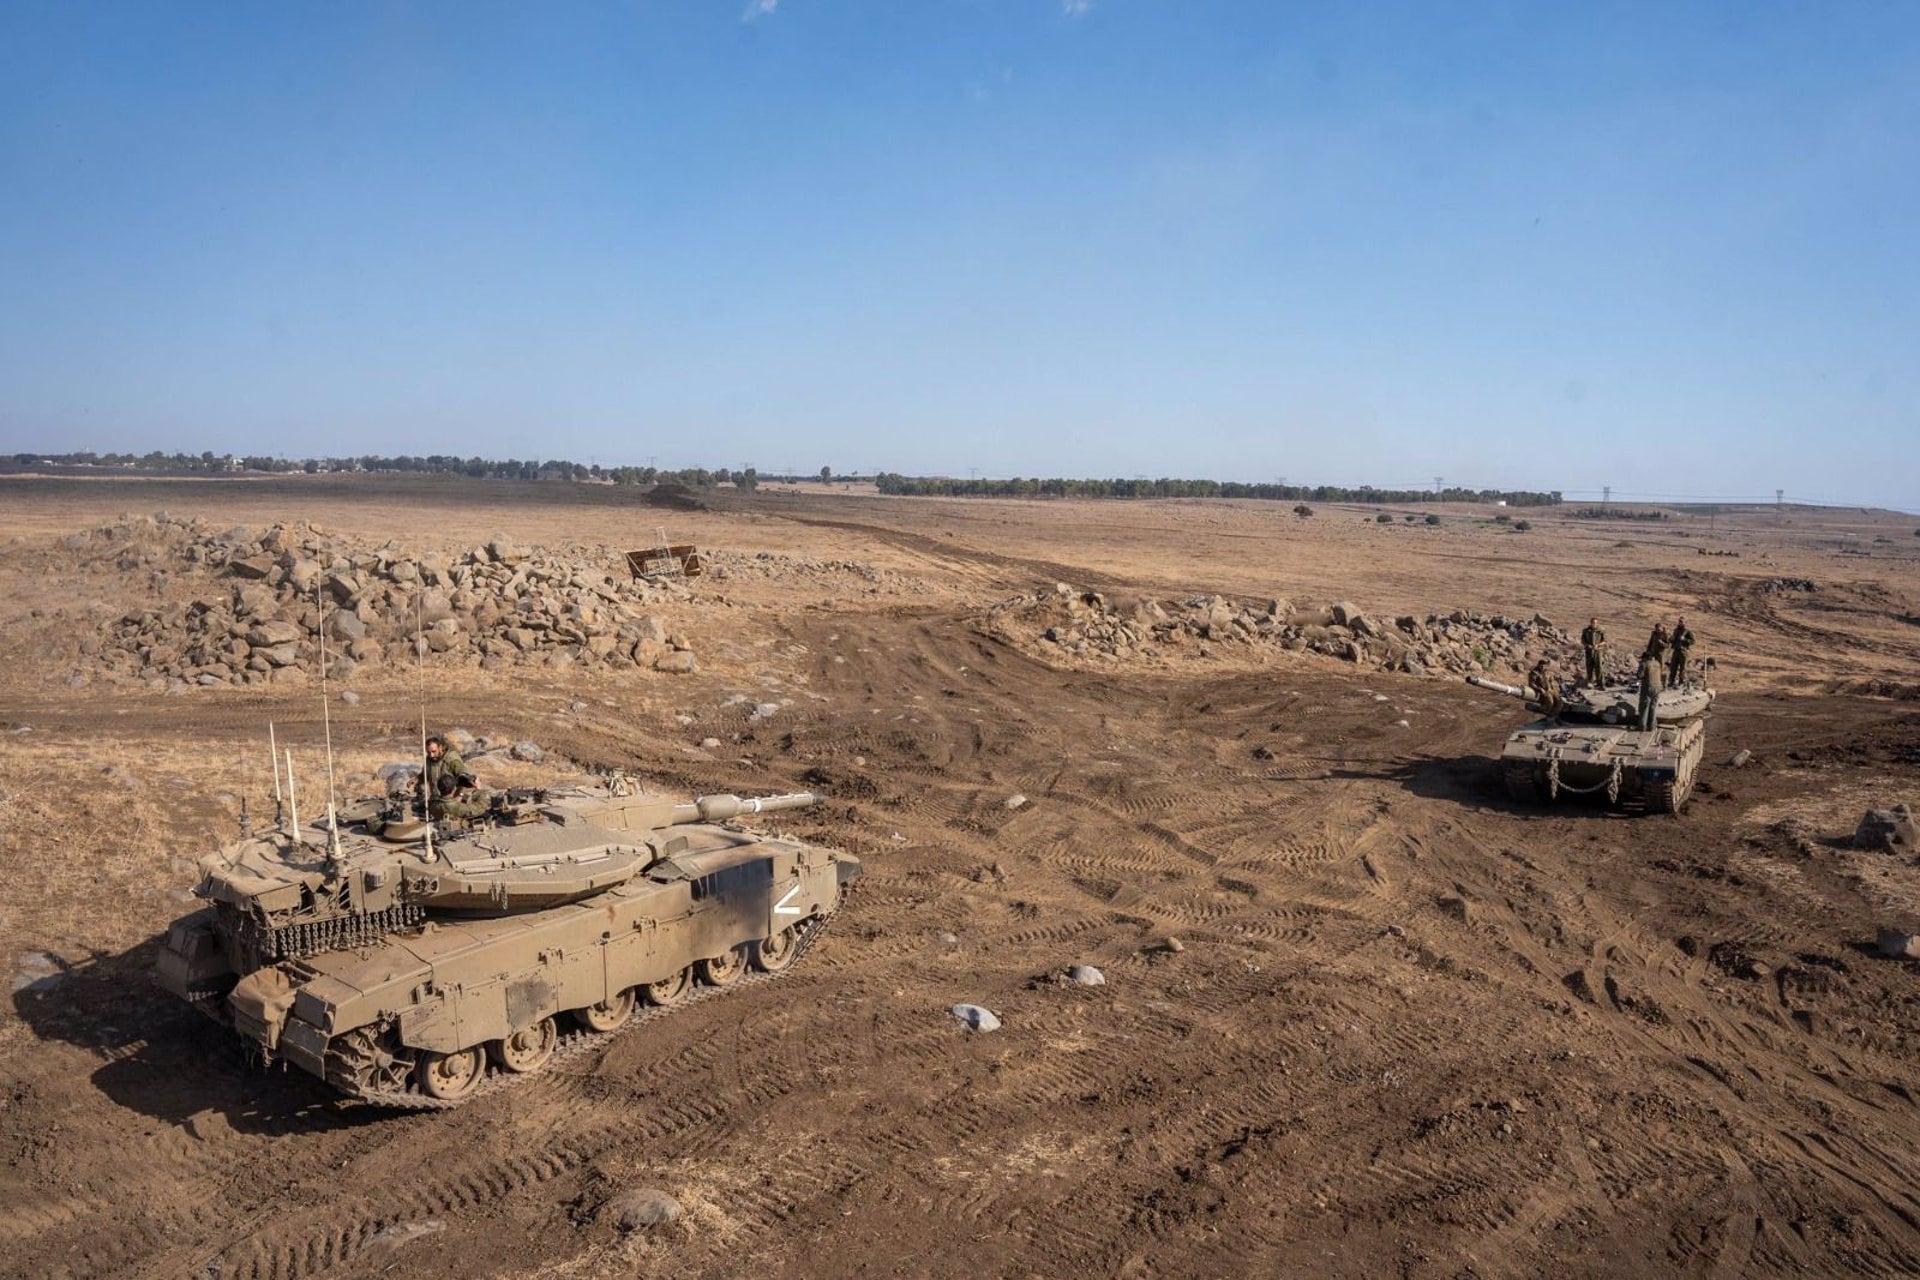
{"points": [[273, 763], [326, 721], [420, 685], [293, 798]]}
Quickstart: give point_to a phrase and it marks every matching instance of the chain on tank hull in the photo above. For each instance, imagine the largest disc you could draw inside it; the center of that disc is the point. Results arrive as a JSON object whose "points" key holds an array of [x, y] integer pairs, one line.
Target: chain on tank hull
{"points": [[424, 976]]}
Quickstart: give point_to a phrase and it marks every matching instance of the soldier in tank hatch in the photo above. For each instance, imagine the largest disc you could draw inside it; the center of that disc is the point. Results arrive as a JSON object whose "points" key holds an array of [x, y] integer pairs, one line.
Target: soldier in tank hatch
{"points": [[1649, 689], [1545, 689], [451, 788]]}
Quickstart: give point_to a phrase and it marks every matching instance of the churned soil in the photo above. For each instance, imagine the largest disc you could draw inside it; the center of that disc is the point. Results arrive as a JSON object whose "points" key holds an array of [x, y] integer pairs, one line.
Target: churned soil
{"points": [[1362, 1016]]}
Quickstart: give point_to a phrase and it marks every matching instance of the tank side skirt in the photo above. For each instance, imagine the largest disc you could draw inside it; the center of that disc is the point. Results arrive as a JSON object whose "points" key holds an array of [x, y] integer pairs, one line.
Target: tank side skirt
{"points": [[580, 1041]]}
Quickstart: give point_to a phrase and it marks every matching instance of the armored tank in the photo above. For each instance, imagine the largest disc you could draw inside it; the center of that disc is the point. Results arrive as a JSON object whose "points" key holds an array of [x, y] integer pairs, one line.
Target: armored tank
{"points": [[1592, 743], [418, 964]]}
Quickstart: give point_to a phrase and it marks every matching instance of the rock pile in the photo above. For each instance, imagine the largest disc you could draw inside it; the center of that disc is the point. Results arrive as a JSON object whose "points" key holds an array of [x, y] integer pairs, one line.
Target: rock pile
{"points": [[258, 601], [1090, 626]]}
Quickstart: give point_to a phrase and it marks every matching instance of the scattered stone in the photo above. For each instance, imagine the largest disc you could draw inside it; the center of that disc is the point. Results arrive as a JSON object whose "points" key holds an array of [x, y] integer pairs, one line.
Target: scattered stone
{"points": [[709, 744], [349, 697], [641, 1208], [1739, 758], [1887, 830], [1173, 946], [1263, 752], [764, 711], [678, 663], [976, 1018], [1087, 976], [531, 752], [1896, 945], [461, 740], [400, 1233], [1015, 801]]}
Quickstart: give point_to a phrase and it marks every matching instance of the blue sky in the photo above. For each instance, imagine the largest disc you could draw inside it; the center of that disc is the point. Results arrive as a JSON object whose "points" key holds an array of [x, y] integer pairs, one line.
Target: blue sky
{"points": [[1665, 247]]}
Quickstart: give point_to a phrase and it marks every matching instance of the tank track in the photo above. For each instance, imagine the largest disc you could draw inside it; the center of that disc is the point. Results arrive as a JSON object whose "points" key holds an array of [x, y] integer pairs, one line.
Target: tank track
{"points": [[579, 1041]]}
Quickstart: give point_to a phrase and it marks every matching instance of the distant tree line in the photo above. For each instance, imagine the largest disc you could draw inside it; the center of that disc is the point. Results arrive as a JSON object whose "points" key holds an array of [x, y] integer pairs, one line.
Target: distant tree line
{"points": [[210, 463], [1616, 513], [1020, 487]]}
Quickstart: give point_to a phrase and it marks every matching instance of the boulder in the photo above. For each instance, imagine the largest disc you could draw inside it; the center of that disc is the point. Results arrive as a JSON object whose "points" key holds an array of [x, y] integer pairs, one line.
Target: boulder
{"points": [[252, 568], [346, 627], [1887, 830], [641, 1208], [278, 655], [680, 662], [976, 1018]]}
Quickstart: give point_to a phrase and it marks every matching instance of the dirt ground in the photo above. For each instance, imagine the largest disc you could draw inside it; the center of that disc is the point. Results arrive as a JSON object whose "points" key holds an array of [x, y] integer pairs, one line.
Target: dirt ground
{"points": [[1410, 1028]]}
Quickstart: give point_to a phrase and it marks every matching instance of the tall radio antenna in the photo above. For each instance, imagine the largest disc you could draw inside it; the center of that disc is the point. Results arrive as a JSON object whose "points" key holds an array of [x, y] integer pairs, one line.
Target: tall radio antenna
{"points": [[420, 685], [273, 762], [326, 721]]}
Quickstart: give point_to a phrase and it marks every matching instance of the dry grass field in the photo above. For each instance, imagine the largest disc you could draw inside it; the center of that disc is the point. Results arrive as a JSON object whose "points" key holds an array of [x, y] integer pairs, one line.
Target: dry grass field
{"points": [[1411, 1029]]}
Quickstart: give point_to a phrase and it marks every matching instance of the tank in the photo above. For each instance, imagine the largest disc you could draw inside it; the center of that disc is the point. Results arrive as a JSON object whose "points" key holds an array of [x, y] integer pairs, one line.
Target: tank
{"points": [[1592, 744], [417, 964]]}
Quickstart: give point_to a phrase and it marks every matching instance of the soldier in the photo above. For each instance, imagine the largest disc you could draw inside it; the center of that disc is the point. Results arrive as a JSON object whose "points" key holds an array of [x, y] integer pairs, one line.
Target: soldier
{"points": [[1657, 644], [446, 778], [1649, 689], [1545, 691], [1593, 642], [1682, 647]]}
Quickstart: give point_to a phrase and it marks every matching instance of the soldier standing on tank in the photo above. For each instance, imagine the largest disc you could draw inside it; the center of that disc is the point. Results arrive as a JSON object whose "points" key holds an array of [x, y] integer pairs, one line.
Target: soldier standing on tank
{"points": [[1649, 689], [1657, 644], [1593, 642], [1545, 691], [1682, 642]]}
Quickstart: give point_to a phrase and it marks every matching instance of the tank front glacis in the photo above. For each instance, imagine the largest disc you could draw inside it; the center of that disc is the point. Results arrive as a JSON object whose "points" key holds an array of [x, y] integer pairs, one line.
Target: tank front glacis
{"points": [[399, 971]]}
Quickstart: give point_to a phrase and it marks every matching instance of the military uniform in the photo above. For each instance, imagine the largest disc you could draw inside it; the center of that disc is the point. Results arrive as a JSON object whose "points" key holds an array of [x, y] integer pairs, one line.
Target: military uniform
{"points": [[446, 779], [1677, 661], [1657, 645], [1593, 640], [1649, 690], [1544, 691]]}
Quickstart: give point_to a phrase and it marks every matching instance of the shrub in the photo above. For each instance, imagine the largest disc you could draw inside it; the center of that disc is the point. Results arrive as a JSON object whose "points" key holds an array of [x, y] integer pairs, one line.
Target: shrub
{"points": [[1383, 518], [1521, 526], [1433, 519], [1303, 511], [1503, 518]]}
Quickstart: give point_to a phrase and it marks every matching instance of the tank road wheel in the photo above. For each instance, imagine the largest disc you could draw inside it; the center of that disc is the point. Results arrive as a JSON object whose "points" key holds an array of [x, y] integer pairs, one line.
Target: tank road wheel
{"points": [[1522, 786], [450, 1076], [609, 1015], [722, 969], [526, 1050], [771, 955], [668, 989]]}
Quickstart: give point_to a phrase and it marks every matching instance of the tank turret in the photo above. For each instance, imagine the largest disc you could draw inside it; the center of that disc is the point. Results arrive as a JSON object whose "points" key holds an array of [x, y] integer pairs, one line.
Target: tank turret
{"points": [[397, 957], [1612, 704]]}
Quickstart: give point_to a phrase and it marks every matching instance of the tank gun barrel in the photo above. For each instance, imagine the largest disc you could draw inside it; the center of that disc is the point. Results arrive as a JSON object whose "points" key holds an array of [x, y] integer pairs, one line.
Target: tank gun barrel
{"points": [[721, 808], [1511, 690]]}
